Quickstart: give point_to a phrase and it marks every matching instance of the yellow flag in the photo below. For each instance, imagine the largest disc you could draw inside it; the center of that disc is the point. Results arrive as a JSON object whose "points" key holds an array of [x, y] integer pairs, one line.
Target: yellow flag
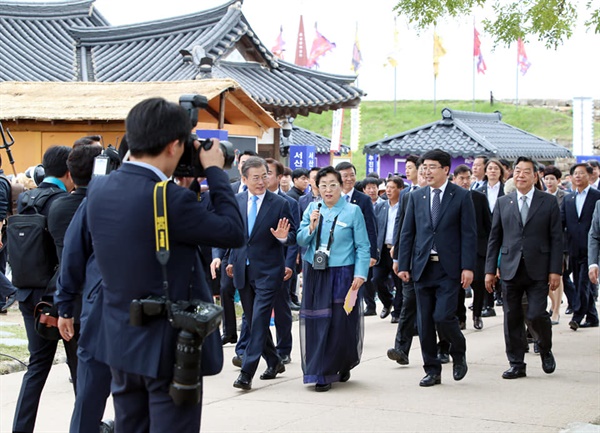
{"points": [[393, 57], [438, 51]]}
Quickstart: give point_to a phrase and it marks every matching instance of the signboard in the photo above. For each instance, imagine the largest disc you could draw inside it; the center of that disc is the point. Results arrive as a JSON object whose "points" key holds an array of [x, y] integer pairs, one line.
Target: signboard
{"points": [[302, 156], [372, 163]]}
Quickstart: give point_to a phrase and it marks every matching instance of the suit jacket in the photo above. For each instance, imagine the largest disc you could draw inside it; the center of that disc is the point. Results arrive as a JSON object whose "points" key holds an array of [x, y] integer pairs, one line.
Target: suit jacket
{"points": [[60, 216], [539, 241], [560, 195], [291, 251], [399, 220], [265, 252], [578, 228], [455, 235], [120, 218], [381, 215], [366, 206], [483, 219], [594, 237]]}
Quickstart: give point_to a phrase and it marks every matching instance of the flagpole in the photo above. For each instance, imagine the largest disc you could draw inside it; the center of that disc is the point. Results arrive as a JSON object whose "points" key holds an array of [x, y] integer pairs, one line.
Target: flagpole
{"points": [[473, 65], [395, 79]]}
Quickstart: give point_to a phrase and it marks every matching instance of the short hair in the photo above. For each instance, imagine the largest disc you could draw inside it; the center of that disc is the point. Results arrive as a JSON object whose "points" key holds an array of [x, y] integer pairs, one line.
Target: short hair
{"points": [[328, 170], [554, 171], [154, 123], [484, 157], [463, 168], [278, 166], [248, 152], [370, 181], [287, 171], [440, 156], [588, 168], [498, 164], [414, 159], [315, 169], [254, 162], [526, 159], [345, 165], [594, 163], [81, 163], [299, 172], [373, 174], [397, 180], [504, 162], [55, 161], [87, 140]]}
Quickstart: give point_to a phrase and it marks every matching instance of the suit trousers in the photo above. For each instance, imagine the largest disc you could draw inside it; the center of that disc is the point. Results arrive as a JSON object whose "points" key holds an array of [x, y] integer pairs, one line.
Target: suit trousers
{"points": [[536, 316], [437, 299], [143, 405], [585, 291], [407, 324], [228, 304], [381, 272], [93, 389], [368, 292], [258, 305], [41, 357], [283, 320]]}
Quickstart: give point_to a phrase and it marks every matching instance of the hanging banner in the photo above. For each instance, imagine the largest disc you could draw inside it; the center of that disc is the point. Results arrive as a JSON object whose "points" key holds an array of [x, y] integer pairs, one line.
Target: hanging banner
{"points": [[302, 156], [354, 128], [372, 163], [336, 130]]}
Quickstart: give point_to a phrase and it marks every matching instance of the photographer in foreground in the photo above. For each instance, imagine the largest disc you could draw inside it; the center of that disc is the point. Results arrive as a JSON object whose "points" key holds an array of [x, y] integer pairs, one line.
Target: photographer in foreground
{"points": [[123, 222]]}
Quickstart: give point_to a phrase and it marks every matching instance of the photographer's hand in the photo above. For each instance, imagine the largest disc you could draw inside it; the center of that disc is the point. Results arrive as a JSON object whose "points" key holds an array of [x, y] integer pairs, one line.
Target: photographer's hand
{"points": [[66, 329], [229, 271], [212, 157], [214, 265], [288, 274]]}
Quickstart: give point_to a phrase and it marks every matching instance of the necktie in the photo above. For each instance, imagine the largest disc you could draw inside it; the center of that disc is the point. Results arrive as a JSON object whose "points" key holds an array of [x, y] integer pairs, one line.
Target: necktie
{"points": [[435, 207], [524, 209], [412, 188], [347, 198], [252, 214], [244, 188]]}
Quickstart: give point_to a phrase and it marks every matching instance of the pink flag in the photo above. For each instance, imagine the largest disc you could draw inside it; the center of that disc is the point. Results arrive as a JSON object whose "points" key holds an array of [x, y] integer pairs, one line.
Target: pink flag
{"points": [[522, 61], [477, 53], [320, 47], [278, 49]]}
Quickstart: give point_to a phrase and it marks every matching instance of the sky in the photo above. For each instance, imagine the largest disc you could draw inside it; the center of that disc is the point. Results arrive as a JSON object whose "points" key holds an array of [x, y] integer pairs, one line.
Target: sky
{"points": [[567, 72]]}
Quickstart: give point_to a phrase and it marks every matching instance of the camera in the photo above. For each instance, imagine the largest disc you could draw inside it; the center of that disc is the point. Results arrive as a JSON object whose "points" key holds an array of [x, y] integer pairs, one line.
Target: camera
{"points": [[189, 164], [320, 260], [107, 161], [196, 320]]}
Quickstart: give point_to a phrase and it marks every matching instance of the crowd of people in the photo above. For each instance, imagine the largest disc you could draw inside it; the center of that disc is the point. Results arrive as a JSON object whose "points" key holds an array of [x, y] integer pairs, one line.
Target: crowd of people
{"points": [[130, 246]]}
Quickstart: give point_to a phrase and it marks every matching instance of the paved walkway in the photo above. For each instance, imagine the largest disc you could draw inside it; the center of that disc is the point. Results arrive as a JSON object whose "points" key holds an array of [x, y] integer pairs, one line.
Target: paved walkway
{"points": [[385, 397]]}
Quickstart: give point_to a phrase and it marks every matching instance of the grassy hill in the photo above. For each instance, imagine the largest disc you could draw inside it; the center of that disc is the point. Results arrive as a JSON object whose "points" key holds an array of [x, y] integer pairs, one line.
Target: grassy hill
{"points": [[379, 120]]}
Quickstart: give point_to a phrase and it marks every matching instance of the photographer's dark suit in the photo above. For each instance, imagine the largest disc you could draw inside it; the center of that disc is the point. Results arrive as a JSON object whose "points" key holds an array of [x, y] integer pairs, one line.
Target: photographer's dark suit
{"points": [[258, 270], [528, 254], [142, 357], [438, 278]]}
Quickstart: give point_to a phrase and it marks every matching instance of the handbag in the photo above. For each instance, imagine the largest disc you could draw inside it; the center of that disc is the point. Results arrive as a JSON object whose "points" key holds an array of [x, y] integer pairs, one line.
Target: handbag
{"points": [[46, 320]]}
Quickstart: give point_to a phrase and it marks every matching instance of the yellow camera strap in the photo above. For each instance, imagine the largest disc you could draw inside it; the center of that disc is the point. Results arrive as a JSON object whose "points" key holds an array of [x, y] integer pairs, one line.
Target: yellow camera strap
{"points": [[161, 225]]}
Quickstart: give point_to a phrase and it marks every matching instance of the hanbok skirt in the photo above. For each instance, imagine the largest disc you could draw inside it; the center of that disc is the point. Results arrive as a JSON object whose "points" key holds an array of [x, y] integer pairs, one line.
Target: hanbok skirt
{"points": [[331, 341]]}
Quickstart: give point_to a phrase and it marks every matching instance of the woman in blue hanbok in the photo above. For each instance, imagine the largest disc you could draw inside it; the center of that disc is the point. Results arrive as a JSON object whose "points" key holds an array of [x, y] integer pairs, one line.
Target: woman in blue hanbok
{"points": [[331, 322]]}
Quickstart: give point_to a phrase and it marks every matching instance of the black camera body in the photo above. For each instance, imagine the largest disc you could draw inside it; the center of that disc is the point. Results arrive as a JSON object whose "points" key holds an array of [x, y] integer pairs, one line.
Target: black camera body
{"points": [[196, 320], [189, 164], [320, 260]]}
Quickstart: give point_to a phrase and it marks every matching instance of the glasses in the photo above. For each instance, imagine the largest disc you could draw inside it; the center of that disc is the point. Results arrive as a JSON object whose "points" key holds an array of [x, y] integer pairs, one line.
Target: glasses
{"points": [[256, 179], [331, 186], [431, 167]]}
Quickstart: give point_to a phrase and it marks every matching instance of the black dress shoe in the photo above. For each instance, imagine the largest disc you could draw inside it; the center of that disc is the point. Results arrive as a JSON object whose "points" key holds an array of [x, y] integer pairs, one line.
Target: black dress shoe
{"points": [[468, 292], [322, 387], [244, 381], [286, 359], [569, 310], [477, 323], [430, 380], [294, 306], [488, 312], [237, 361], [443, 357], [345, 377], [588, 325], [272, 372], [499, 302], [398, 355], [370, 313], [385, 312], [9, 301], [573, 325], [459, 369], [548, 362], [228, 339], [462, 326], [514, 373], [395, 319]]}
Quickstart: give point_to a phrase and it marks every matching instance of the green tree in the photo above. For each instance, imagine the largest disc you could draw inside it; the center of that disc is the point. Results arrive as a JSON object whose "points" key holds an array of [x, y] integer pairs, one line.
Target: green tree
{"points": [[551, 21]]}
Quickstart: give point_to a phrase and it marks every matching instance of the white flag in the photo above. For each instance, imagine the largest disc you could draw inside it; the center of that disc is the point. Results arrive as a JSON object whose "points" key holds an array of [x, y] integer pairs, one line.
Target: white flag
{"points": [[336, 130]]}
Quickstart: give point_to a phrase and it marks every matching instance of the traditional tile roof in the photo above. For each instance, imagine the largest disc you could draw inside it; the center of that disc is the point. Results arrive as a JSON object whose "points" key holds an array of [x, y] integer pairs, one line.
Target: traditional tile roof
{"points": [[467, 134], [304, 137], [70, 41]]}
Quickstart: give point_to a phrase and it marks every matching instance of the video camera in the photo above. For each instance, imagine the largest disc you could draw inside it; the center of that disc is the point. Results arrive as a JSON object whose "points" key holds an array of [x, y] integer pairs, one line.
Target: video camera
{"points": [[189, 164], [107, 161], [196, 320]]}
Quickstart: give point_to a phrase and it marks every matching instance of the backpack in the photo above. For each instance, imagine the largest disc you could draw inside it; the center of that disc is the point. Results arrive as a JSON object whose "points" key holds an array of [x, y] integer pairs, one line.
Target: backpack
{"points": [[14, 189], [31, 250]]}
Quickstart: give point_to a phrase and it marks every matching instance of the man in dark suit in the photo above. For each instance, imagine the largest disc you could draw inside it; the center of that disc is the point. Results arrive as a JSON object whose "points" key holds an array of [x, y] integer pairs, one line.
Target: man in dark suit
{"points": [[483, 219], [348, 173], [526, 238], [57, 182], [576, 212], [258, 267], [438, 247], [142, 357], [385, 212]]}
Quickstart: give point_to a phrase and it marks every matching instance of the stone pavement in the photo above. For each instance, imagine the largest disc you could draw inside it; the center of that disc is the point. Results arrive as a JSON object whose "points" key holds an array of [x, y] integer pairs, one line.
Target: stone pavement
{"points": [[383, 396]]}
